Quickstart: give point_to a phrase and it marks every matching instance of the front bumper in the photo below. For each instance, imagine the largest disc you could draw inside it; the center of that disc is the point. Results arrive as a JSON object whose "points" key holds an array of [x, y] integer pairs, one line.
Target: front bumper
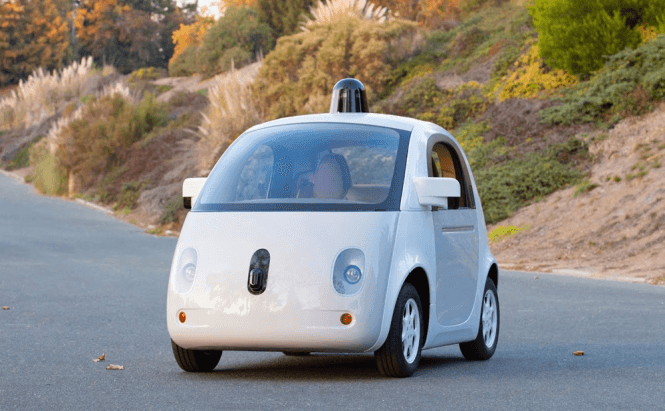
{"points": [[270, 322]]}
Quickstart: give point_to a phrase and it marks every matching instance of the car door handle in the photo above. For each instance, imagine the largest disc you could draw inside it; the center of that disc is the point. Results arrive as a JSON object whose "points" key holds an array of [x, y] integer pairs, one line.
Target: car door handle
{"points": [[458, 229]]}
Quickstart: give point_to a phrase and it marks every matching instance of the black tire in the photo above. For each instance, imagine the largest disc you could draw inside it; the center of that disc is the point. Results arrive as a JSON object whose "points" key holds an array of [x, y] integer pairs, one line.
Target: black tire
{"points": [[390, 358], [478, 349], [296, 353], [195, 360]]}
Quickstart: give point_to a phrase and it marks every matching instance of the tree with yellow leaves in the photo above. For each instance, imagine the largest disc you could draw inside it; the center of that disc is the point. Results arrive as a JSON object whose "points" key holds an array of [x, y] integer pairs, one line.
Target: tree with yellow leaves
{"points": [[33, 34], [48, 32], [11, 22], [190, 35], [435, 12], [94, 23]]}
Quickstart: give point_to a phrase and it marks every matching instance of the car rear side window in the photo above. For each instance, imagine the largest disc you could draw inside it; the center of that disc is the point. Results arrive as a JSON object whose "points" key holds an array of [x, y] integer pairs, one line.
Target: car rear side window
{"points": [[446, 163]]}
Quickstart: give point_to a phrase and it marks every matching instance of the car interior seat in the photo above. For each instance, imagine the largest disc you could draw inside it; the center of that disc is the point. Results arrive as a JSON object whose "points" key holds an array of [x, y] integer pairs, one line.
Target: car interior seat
{"points": [[332, 178]]}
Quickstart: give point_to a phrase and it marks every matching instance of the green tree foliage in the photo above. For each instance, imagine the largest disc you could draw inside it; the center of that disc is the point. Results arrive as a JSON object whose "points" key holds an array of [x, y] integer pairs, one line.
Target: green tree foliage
{"points": [[283, 16], [576, 35], [236, 38], [186, 63], [299, 74], [115, 33], [169, 16]]}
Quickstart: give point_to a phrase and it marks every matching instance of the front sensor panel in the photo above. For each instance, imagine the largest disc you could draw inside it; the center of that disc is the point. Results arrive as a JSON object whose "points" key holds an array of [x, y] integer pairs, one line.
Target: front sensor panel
{"points": [[257, 279]]}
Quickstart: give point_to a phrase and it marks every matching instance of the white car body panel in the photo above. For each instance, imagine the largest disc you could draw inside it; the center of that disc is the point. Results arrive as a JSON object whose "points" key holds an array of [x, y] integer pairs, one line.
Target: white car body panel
{"points": [[300, 309]]}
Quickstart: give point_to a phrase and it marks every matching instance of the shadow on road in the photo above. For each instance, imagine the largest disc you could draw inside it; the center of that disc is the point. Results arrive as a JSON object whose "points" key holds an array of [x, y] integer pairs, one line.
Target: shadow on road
{"points": [[323, 367]]}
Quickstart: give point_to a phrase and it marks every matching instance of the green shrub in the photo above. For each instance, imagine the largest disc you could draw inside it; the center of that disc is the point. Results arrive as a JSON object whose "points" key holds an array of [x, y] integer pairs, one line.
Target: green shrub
{"points": [[628, 85], [22, 157], [171, 210], [297, 76], [186, 63], [576, 35], [163, 88], [149, 114], [501, 232], [447, 108], [504, 61], [470, 135], [467, 40], [505, 187], [144, 74], [47, 176], [128, 196], [106, 127], [584, 187]]}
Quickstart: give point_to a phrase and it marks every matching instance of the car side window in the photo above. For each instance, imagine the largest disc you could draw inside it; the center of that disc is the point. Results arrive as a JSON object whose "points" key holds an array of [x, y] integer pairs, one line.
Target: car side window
{"points": [[446, 163], [255, 176]]}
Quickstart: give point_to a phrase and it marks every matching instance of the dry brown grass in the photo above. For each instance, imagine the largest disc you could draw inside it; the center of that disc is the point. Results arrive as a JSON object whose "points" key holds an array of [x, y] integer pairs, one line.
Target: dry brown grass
{"points": [[332, 11], [231, 111], [43, 94]]}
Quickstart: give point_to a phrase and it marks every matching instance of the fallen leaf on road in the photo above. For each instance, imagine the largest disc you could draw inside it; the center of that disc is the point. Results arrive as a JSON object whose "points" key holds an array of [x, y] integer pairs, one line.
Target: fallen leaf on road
{"points": [[578, 353], [536, 277], [115, 367], [100, 358], [4, 307]]}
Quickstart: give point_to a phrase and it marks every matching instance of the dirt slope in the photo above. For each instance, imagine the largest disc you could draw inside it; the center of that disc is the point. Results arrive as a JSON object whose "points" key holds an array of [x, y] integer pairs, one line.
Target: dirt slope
{"points": [[617, 229]]}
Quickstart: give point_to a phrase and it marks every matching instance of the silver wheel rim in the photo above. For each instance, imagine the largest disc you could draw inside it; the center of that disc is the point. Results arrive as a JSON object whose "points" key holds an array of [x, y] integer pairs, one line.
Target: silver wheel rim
{"points": [[410, 330], [489, 319]]}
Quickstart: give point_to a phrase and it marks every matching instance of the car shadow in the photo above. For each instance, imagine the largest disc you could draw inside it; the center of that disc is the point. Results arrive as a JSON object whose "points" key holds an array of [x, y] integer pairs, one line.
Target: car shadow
{"points": [[322, 367]]}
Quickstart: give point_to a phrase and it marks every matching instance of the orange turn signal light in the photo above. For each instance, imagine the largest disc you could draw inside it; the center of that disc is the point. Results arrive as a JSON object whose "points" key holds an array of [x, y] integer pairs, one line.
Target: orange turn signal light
{"points": [[346, 319], [182, 316]]}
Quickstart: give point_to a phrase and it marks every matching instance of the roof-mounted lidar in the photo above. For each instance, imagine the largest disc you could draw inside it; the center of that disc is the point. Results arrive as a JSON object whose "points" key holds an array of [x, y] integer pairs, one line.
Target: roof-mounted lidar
{"points": [[349, 96]]}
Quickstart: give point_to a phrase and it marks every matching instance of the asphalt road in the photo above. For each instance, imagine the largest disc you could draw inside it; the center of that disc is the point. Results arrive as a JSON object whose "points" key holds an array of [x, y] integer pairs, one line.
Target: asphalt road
{"points": [[80, 283]]}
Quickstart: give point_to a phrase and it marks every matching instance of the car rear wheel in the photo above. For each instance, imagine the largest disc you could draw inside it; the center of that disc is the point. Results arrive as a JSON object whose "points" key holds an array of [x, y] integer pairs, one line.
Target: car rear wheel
{"points": [[400, 354], [195, 360], [483, 347]]}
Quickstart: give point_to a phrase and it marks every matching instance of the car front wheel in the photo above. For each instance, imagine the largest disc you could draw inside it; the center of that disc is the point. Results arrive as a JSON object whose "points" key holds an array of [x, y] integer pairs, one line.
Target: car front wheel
{"points": [[195, 360], [400, 354], [483, 347]]}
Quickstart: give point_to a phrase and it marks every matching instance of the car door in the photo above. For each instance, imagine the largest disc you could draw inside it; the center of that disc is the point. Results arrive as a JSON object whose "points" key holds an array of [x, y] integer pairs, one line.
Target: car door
{"points": [[456, 241]]}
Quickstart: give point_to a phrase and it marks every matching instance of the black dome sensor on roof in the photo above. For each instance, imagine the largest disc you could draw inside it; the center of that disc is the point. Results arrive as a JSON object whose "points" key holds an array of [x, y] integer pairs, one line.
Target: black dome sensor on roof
{"points": [[349, 97]]}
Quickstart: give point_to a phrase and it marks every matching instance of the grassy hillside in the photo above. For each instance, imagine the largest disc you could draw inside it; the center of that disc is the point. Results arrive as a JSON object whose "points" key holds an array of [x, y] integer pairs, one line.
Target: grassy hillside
{"points": [[127, 142]]}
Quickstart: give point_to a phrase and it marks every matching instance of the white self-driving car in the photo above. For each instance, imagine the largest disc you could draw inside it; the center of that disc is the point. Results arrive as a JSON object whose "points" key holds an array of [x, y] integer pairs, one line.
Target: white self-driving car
{"points": [[339, 232]]}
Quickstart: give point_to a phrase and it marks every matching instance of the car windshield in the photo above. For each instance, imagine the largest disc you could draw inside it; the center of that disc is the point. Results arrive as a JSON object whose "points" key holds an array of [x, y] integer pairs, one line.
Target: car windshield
{"points": [[309, 166]]}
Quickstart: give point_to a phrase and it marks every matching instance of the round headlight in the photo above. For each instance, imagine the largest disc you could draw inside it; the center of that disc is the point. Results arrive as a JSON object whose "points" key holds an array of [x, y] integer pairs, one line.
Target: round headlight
{"points": [[352, 274], [348, 274], [190, 271], [186, 271]]}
